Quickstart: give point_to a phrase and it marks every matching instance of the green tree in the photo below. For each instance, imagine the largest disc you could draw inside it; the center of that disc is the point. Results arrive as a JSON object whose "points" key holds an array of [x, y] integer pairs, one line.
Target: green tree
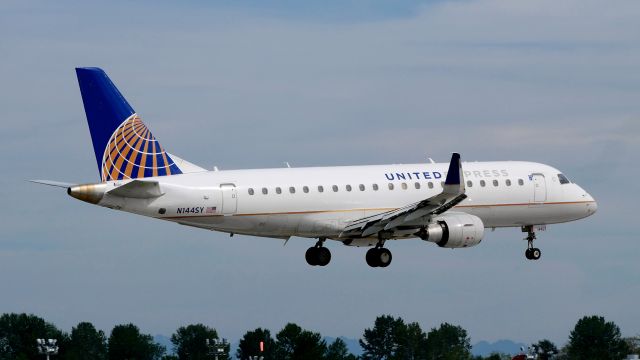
{"points": [[19, 332], [595, 338], [126, 342], [250, 345], [634, 344], [415, 342], [190, 342], [338, 351], [86, 343], [286, 341], [545, 349], [448, 342], [294, 343], [385, 341]]}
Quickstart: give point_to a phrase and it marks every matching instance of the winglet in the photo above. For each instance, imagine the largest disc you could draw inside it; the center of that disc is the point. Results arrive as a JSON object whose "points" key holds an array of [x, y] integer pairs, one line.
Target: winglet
{"points": [[454, 175]]}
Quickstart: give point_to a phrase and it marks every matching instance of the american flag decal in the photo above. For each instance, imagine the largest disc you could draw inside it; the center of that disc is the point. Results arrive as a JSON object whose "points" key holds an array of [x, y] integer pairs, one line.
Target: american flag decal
{"points": [[210, 210]]}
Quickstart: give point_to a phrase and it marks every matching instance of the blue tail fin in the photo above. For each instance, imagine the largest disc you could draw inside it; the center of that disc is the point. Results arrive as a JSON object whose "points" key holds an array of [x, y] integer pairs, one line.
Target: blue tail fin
{"points": [[124, 146]]}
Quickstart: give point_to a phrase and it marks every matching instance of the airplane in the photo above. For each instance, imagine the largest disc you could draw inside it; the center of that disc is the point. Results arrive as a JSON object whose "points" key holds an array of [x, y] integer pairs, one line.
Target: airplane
{"points": [[449, 204]]}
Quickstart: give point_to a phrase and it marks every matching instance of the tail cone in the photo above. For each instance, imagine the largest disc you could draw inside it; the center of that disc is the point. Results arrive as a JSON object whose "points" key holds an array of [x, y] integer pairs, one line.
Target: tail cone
{"points": [[91, 193]]}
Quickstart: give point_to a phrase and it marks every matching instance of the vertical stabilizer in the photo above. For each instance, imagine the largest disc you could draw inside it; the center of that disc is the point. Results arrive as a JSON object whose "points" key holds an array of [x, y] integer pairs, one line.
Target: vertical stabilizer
{"points": [[123, 145]]}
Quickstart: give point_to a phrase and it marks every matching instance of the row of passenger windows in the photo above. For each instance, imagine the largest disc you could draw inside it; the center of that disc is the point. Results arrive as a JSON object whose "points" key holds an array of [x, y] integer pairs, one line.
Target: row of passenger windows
{"points": [[375, 187], [495, 183]]}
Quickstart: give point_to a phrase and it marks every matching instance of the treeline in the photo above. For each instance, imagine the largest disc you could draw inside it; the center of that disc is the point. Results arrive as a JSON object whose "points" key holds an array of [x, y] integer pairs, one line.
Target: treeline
{"points": [[389, 338]]}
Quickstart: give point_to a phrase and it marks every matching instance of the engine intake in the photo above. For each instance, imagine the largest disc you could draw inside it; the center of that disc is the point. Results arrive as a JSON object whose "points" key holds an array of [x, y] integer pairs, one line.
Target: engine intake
{"points": [[454, 230]]}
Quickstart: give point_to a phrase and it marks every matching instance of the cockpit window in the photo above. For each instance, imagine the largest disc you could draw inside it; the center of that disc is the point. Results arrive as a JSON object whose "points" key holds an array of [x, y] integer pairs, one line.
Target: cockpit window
{"points": [[563, 179]]}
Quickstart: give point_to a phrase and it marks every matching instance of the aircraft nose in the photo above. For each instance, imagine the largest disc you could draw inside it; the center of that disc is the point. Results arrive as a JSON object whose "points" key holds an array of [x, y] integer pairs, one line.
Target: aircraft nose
{"points": [[592, 205]]}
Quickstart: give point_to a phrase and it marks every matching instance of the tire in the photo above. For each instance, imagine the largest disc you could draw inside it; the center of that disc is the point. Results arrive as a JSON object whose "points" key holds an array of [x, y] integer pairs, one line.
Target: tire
{"points": [[323, 256], [372, 257], [311, 256], [536, 253], [527, 254], [384, 257]]}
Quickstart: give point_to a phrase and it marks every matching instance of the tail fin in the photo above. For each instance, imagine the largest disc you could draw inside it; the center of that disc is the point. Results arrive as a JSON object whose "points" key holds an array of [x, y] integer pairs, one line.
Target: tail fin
{"points": [[124, 146]]}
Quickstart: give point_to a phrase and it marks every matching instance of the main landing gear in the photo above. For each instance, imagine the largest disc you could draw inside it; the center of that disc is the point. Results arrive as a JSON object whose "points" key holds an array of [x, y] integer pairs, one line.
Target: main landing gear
{"points": [[379, 256], [318, 255], [532, 253]]}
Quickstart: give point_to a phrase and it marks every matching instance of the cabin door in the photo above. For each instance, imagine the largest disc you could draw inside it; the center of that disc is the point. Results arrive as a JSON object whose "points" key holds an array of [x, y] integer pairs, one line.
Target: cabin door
{"points": [[539, 188], [229, 199]]}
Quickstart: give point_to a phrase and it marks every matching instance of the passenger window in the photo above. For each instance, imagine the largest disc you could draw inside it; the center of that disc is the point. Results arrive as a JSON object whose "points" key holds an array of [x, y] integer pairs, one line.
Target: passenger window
{"points": [[250, 191], [495, 182], [348, 187], [520, 182], [508, 182], [320, 188], [292, 190], [482, 183], [375, 187], [278, 190], [430, 184], [361, 187], [390, 186], [305, 189], [404, 186], [563, 179], [417, 185], [335, 188], [265, 191], [469, 183]]}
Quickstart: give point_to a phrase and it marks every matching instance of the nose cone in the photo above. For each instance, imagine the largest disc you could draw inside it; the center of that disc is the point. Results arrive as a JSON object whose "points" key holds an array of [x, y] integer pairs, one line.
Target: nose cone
{"points": [[592, 204]]}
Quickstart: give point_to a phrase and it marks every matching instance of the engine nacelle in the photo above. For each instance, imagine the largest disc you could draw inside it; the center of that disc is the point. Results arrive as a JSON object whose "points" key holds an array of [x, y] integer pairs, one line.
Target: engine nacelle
{"points": [[456, 230]]}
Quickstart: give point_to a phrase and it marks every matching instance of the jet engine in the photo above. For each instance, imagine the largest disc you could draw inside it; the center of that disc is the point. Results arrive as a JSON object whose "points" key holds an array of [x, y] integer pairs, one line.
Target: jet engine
{"points": [[453, 230]]}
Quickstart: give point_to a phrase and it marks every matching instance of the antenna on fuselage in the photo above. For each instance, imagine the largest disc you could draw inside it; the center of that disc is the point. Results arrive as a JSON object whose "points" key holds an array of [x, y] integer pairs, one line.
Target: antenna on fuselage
{"points": [[431, 161], [215, 168], [286, 163]]}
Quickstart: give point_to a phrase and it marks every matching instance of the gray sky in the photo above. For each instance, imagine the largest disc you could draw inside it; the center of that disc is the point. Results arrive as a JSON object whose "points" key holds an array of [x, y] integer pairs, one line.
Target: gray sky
{"points": [[257, 84]]}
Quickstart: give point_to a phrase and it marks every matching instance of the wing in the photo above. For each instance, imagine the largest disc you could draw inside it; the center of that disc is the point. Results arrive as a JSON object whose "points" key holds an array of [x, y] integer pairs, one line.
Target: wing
{"points": [[452, 194]]}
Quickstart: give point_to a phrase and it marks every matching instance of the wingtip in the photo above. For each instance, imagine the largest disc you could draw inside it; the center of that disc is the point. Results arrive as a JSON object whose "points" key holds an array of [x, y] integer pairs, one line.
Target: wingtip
{"points": [[453, 175]]}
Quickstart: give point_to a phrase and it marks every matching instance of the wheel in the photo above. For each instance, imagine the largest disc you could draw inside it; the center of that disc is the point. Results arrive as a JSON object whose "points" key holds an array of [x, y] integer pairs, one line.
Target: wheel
{"points": [[527, 254], [384, 257], [535, 253], [372, 257], [323, 256], [311, 256]]}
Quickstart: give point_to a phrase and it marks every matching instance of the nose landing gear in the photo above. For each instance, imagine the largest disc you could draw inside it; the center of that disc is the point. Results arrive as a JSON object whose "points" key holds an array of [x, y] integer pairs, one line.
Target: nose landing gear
{"points": [[532, 253], [318, 255]]}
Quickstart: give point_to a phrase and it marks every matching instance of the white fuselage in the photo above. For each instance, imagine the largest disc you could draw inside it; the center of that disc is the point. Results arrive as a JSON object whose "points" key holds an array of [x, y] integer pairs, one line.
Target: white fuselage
{"points": [[234, 201]]}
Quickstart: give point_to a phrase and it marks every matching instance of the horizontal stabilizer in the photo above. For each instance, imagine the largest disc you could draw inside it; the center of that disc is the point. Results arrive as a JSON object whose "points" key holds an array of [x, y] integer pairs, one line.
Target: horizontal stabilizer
{"points": [[53, 183], [138, 189]]}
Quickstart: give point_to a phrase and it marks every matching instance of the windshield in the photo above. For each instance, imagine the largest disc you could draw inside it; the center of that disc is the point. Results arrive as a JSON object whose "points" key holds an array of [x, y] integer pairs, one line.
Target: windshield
{"points": [[563, 179]]}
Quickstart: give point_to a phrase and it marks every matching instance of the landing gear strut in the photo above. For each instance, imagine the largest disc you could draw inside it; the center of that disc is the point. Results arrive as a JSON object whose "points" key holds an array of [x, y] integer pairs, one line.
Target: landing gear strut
{"points": [[532, 253], [379, 256], [318, 255]]}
